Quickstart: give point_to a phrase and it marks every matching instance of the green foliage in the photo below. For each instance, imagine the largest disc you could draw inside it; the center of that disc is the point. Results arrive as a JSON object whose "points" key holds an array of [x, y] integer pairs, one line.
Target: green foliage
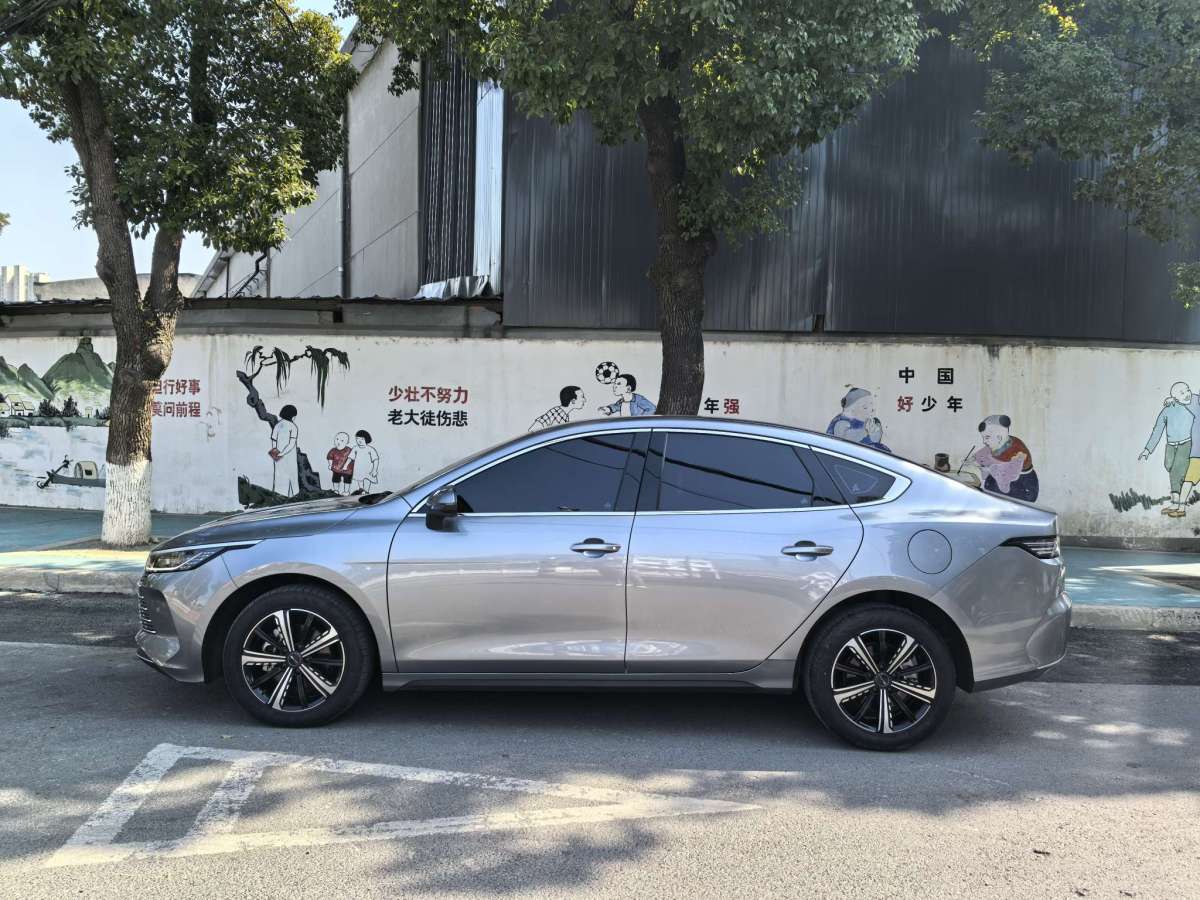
{"points": [[4, 221], [48, 410], [70, 409], [753, 80], [1117, 81], [221, 111], [1187, 284]]}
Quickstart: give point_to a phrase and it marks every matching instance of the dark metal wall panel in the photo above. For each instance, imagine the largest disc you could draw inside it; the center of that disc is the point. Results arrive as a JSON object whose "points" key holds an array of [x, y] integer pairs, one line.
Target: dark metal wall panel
{"points": [[932, 233], [908, 225], [579, 240], [447, 173]]}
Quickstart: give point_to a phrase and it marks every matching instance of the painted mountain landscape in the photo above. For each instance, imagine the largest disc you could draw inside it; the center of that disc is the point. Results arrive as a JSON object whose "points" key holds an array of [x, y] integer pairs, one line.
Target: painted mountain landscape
{"points": [[76, 386], [53, 430]]}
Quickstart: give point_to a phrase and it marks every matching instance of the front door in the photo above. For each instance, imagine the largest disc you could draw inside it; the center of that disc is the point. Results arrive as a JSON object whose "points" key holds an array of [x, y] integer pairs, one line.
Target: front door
{"points": [[736, 542], [530, 577]]}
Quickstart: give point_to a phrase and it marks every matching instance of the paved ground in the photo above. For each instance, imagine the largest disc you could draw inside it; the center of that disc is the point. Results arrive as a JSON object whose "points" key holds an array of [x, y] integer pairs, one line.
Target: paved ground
{"points": [[1055, 789]]}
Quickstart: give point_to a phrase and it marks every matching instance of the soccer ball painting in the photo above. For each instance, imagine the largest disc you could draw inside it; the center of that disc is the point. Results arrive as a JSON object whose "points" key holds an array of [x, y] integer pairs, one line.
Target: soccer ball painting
{"points": [[607, 372]]}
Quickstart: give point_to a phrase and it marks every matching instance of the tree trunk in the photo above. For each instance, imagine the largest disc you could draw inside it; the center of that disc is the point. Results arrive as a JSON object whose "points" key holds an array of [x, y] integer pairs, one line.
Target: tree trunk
{"points": [[680, 260], [144, 326]]}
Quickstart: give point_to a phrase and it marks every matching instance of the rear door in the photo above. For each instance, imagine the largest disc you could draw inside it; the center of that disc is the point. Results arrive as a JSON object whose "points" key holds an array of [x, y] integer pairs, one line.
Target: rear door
{"points": [[736, 540]]}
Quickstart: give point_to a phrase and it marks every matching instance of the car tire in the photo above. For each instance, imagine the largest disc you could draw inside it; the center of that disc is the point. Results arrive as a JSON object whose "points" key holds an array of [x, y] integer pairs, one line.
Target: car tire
{"points": [[863, 655], [308, 676]]}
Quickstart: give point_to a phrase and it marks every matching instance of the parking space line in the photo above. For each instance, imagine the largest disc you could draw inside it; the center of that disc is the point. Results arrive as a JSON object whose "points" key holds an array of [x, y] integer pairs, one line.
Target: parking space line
{"points": [[212, 831]]}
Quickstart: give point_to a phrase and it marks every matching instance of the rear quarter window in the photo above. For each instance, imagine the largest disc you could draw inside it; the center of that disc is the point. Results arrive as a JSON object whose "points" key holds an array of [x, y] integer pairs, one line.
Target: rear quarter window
{"points": [[858, 483]]}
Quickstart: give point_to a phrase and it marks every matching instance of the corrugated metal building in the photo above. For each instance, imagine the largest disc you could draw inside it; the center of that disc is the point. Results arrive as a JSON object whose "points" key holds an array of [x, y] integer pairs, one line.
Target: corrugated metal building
{"points": [[908, 225]]}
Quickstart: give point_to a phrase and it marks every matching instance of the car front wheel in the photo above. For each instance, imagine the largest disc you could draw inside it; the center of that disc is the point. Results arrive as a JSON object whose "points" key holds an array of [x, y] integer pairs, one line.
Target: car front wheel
{"points": [[298, 655], [880, 677]]}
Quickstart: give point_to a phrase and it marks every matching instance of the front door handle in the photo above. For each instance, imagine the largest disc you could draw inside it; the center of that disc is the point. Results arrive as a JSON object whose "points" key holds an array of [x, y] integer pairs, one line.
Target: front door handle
{"points": [[595, 545], [806, 548]]}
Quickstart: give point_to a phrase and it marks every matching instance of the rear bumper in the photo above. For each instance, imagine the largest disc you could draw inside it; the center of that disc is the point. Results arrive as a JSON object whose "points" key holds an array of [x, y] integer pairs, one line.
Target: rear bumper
{"points": [[1046, 647]]}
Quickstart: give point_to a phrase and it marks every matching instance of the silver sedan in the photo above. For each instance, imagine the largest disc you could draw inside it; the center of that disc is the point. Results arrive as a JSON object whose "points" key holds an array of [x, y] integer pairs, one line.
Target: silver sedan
{"points": [[658, 552]]}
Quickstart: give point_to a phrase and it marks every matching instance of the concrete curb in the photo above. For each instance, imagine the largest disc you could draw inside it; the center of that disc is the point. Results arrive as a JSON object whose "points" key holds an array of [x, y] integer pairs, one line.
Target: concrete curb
{"points": [[1137, 618], [68, 581]]}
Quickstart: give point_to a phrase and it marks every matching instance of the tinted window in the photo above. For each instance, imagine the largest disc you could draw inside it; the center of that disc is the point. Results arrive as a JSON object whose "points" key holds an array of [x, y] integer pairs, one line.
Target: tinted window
{"points": [[859, 484], [713, 472], [579, 475]]}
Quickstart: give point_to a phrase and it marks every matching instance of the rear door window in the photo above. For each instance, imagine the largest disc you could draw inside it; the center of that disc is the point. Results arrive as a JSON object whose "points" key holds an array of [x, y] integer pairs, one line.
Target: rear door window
{"points": [[711, 472]]}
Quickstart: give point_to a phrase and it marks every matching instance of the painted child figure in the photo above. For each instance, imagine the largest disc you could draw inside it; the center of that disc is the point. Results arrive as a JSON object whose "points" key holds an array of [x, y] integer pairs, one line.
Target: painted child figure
{"points": [[365, 462], [341, 463], [1175, 422], [1189, 401], [1006, 461], [856, 422]]}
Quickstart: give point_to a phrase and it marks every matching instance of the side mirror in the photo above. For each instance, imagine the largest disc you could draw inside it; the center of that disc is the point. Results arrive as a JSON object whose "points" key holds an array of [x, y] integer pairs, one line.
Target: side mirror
{"points": [[442, 507]]}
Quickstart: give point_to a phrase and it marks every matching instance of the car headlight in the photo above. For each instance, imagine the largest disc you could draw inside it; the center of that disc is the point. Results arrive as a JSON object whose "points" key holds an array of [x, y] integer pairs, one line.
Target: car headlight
{"points": [[181, 559]]}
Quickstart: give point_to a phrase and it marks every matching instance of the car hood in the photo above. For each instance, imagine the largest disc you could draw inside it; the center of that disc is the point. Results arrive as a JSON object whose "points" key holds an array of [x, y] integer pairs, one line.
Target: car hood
{"points": [[288, 520]]}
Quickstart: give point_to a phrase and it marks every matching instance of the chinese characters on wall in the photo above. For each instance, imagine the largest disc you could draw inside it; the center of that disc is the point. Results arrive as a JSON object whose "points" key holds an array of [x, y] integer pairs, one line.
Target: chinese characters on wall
{"points": [[440, 411], [906, 403], [729, 406], [176, 408]]}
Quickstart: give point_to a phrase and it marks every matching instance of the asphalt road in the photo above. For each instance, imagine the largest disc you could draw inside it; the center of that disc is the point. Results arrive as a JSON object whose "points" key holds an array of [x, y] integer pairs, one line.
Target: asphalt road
{"points": [[119, 783]]}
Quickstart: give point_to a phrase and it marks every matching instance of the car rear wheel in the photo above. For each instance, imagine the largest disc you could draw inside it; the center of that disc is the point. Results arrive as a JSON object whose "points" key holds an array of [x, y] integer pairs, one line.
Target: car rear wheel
{"points": [[298, 655], [880, 677]]}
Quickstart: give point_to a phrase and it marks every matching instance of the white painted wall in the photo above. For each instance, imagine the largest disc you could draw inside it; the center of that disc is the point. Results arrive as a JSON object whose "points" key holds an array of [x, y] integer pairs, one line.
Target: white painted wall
{"points": [[382, 160], [1084, 413]]}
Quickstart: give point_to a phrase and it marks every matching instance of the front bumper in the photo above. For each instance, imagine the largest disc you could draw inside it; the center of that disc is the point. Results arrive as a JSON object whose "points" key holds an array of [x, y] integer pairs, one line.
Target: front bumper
{"points": [[174, 610]]}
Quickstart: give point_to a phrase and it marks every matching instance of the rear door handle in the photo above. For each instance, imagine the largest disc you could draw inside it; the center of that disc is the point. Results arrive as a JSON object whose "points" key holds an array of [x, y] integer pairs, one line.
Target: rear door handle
{"points": [[595, 545], [806, 548]]}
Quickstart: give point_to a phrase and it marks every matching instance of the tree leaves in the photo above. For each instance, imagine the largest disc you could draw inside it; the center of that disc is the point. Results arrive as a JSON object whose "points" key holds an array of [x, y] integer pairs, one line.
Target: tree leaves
{"points": [[1116, 81], [222, 112], [755, 81]]}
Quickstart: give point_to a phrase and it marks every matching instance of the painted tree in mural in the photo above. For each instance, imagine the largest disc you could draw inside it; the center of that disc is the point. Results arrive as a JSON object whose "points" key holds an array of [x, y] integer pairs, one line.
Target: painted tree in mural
{"points": [[1117, 81], [210, 116], [724, 93], [307, 485]]}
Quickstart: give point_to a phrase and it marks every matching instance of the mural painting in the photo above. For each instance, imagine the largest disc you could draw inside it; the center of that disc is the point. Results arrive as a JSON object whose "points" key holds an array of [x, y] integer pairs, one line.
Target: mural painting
{"points": [[54, 426], [1005, 463], [1177, 427], [572, 398], [628, 402], [857, 421], [292, 475]]}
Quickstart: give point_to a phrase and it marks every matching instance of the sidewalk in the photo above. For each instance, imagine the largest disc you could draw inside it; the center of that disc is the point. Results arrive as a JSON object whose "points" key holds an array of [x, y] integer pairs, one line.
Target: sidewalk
{"points": [[1134, 589], [56, 551], [30, 528]]}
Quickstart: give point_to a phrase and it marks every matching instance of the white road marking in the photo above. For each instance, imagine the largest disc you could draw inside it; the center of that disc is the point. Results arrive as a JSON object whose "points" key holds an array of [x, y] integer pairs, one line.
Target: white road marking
{"points": [[212, 831]]}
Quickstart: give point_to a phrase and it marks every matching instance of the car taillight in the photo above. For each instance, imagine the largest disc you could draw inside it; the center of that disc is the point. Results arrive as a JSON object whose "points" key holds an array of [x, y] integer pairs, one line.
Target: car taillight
{"points": [[1041, 547]]}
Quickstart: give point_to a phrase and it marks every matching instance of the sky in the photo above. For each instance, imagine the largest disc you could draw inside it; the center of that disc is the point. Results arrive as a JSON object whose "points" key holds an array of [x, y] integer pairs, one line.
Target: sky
{"points": [[35, 192]]}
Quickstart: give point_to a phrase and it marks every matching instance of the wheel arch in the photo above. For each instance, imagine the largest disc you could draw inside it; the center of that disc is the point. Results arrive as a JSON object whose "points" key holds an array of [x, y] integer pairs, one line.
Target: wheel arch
{"points": [[218, 626], [919, 606]]}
